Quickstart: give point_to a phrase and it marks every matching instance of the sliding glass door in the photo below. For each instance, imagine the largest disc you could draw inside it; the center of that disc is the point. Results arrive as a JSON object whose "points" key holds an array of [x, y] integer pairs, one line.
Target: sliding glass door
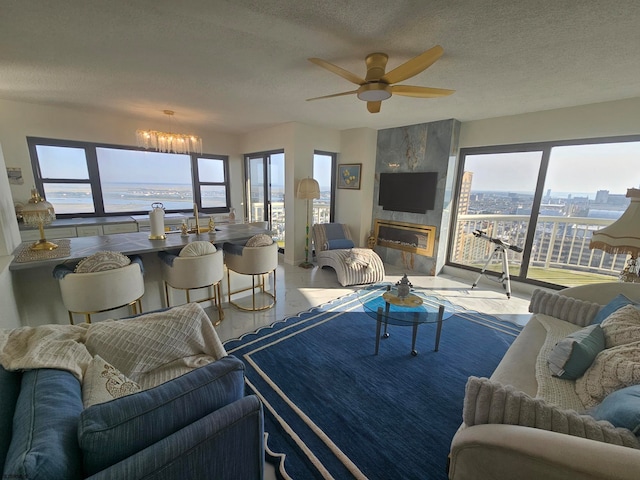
{"points": [[264, 174], [547, 198]]}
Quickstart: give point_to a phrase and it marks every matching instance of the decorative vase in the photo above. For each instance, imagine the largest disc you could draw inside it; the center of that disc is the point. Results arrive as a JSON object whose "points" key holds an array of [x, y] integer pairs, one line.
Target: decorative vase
{"points": [[404, 287]]}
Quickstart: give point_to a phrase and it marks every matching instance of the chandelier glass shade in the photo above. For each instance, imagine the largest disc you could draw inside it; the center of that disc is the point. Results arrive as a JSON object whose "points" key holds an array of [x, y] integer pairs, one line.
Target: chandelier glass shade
{"points": [[623, 237], [169, 142], [38, 213]]}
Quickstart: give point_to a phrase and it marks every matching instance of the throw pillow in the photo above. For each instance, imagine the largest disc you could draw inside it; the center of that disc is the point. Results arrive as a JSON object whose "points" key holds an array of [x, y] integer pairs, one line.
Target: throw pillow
{"points": [[260, 240], [197, 249], [103, 382], [621, 408], [571, 356], [488, 402], [615, 304], [112, 431], [101, 261], [338, 244], [622, 326]]}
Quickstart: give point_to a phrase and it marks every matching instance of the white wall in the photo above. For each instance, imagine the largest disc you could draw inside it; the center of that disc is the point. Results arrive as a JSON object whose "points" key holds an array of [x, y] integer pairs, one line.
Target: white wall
{"points": [[354, 207], [607, 119]]}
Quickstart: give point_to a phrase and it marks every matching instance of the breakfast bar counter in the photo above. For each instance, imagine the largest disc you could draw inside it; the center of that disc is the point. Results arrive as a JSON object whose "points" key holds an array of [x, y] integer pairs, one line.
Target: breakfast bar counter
{"points": [[38, 293], [134, 243]]}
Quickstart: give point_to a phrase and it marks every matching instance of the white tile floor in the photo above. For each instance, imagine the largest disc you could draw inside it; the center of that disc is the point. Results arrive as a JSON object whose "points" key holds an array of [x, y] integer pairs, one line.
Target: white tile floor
{"points": [[299, 289]]}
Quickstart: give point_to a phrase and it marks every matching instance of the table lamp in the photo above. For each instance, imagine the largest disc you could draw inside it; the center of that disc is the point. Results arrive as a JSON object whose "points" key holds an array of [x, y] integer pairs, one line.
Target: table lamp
{"points": [[38, 213], [623, 236], [308, 189]]}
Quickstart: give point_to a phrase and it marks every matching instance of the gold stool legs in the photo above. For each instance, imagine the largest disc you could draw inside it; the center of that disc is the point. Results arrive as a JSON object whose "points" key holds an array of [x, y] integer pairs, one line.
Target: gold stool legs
{"points": [[136, 308], [253, 287], [215, 297]]}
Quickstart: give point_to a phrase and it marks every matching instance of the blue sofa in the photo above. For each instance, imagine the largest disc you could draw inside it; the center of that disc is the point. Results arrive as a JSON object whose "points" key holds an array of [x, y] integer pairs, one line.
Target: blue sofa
{"points": [[199, 425]]}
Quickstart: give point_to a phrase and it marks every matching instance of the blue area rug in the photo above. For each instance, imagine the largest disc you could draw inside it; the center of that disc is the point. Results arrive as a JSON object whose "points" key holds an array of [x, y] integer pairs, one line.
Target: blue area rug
{"points": [[335, 410]]}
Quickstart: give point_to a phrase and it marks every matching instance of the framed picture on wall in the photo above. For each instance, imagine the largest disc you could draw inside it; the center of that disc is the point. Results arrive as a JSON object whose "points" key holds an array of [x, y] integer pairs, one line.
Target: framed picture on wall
{"points": [[349, 175]]}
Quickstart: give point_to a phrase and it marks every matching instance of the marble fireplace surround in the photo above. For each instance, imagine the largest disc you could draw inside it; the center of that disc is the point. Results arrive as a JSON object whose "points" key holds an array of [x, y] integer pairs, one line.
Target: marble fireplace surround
{"points": [[426, 147]]}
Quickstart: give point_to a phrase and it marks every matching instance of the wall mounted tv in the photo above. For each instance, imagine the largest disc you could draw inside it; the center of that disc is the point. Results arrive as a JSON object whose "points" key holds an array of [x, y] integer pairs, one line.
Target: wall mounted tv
{"points": [[413, 192]]}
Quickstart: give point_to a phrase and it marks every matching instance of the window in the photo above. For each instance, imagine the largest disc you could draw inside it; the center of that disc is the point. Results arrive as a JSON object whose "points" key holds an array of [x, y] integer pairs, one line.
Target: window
{"points": [[82, 179], [324, 167], [548, 199]]}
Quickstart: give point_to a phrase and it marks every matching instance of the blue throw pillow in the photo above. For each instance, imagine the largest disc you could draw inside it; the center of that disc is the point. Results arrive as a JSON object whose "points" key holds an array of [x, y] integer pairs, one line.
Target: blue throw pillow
{"points": [[616, 304], [572, 355], [112, 431], [44, 443], [339, 244], [621, 408], [9, 390]]}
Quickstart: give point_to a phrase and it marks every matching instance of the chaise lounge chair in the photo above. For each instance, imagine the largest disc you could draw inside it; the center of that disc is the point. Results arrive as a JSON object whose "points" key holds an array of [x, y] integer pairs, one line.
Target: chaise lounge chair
{"points": [[334, 248]]}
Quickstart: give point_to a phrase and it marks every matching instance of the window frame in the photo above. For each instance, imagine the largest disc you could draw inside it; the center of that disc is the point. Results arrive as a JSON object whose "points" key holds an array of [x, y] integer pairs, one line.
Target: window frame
{"points": [[91, 157], [545, 148], [334, 165]]}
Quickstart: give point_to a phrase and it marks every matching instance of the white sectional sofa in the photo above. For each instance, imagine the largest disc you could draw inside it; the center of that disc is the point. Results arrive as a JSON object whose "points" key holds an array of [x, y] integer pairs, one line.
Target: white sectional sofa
{"points": [[511, 451]]}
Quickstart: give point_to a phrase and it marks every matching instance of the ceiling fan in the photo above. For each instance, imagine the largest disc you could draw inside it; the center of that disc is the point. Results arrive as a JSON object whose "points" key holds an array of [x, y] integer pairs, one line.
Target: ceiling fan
{"points": [[378, 85]]}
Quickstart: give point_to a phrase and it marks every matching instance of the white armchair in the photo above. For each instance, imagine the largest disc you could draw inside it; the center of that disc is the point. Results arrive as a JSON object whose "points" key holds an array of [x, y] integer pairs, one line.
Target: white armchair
{"points": [[334, 247]]}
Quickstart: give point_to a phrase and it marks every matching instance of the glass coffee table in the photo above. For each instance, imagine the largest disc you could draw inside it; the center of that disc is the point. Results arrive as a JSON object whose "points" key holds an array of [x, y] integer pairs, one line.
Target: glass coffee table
{"points": [[382, 303]]}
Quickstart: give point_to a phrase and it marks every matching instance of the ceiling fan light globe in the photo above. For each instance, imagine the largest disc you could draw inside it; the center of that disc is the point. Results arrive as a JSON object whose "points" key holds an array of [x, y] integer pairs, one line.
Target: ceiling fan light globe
{"points": [[374, 92]]}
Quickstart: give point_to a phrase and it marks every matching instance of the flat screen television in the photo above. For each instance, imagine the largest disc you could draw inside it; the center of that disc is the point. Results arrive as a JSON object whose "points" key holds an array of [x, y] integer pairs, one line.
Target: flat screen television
{"points": [[413, 192]]}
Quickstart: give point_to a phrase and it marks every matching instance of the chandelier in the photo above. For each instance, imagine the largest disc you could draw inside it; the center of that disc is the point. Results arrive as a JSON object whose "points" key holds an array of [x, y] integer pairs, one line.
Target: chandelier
{"points": [[169, 142]]}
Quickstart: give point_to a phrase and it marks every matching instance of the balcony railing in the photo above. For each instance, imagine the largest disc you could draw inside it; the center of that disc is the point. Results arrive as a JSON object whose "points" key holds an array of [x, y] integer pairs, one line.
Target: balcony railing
{"points": [[560, 243]]}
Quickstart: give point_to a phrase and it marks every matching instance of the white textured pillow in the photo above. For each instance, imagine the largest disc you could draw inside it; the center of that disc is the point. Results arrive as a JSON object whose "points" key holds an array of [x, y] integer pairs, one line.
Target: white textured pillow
{"points": [[103, 382], [101, 261], [197, 249], [260, 240], [486, 401]]}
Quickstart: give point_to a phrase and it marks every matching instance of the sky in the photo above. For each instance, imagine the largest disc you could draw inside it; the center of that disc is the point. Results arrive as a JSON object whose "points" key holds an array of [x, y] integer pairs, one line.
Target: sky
{"points": [[575, 168]]}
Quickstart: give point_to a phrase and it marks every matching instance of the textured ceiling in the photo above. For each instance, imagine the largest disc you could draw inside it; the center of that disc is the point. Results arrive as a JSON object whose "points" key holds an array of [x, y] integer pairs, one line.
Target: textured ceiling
{"points": [[242, 65]]}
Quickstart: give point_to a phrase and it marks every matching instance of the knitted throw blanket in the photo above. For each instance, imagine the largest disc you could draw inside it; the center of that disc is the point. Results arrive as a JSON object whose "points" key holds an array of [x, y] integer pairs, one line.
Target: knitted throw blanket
{"points": [[149, 349], [490, 402], [618, 365], [553, 390]]}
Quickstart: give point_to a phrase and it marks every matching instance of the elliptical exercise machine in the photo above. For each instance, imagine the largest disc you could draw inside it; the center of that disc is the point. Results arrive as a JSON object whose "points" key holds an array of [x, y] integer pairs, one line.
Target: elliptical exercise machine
{"points": [[501, 249]]}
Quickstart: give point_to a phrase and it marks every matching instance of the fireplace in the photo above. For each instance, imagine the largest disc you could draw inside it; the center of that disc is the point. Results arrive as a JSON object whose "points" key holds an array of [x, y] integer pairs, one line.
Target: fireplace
{"points": [[408, 237]]}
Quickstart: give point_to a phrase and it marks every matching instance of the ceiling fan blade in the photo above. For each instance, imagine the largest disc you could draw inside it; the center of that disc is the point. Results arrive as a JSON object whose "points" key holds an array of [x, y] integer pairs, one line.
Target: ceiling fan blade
{"points": [[420, 92], [353, 78], [413, 66], [374, 107], [334, 95]]}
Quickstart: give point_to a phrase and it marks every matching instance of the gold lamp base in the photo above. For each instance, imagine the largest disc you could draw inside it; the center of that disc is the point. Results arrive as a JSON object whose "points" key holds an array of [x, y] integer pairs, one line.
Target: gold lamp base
{"points": [[43, 244], [631, 272]]}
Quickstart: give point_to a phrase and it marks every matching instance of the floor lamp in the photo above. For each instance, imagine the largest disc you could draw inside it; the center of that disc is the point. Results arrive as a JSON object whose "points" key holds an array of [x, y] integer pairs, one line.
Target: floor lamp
{"points": [[308, 189], [623, 236]]}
